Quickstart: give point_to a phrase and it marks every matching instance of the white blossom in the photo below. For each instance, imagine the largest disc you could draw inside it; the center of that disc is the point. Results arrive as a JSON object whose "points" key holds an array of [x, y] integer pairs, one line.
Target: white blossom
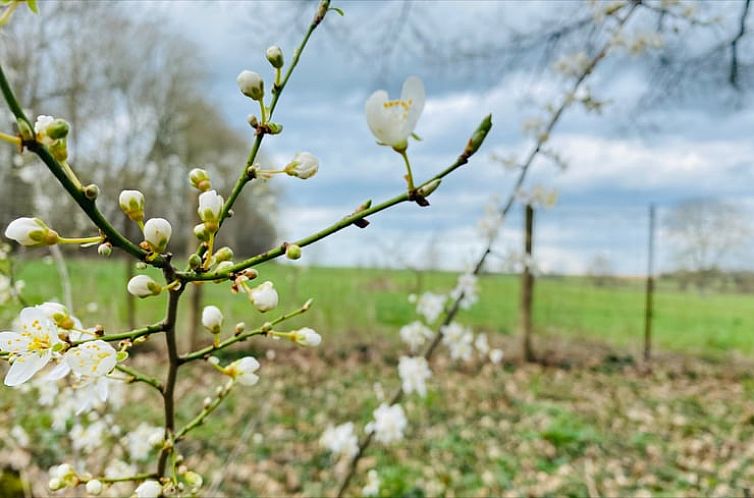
{"points": [[304, 165], [414, 372], [389, 423], [210, 207], [148, 489], [143, 286], [307, 337], [430, 305], [119, 469], [31, 232], [91, 359], [89, 438], [157, 232], [393, 121], [142, 440], [482, 345], [264, 296], [496, 356], [31, 347], [40, 129], [212, 319], [466, 290], [459, 341], [20, 436], [94, 487], [415, 334], [341, 440], [243, 370], [372, 487]]}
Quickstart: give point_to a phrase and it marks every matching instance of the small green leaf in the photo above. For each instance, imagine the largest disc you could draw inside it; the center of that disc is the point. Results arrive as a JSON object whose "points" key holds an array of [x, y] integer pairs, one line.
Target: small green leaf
{"points": [[33, 6], [338, 10], [121, 356], [416, 137]]}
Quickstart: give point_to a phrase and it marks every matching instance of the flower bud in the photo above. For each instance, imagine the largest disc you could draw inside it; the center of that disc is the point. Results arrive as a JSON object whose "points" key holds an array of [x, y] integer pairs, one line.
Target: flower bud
{"points": [[210, 208], [306, 337], [193, 479], [427, 189], [58, 129], [24, 129], [91, 191], [199, 179], [303, 166], [251, 85], [157, 233], [212, 319], [31, 232], [479, 135], [222, 267], [132, 203], [274, 54], [201, 232], [40, 129], [195, 261], [94, 487], [56, 484], [143, 286], [274, 128], [264, 296], [223, 254], [292, 251], [148, 489], [239, 328], [59, 150], [105, 249]]}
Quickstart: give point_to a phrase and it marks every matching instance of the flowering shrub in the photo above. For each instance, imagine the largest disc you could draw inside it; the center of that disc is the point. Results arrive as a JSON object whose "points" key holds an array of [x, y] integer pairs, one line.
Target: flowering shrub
{"points": [[49, 345]]}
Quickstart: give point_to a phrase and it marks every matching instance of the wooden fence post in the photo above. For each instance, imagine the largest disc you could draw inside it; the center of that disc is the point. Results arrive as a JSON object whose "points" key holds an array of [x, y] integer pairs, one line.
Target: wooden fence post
{"points": [[527, 285], [650, 288]]}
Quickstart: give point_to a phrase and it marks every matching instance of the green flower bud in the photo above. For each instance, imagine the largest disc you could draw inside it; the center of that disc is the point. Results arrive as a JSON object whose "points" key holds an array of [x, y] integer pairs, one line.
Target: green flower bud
{"points": [[427, 189], [479, 135], [200, 180], [195, 261], [292, 251], [223, 254], [58, 129], [91, 191], [105, 249]]}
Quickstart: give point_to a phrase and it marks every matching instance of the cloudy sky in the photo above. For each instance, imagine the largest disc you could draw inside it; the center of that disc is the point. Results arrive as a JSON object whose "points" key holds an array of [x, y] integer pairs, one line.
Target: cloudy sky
{"points": [[618, 162]]}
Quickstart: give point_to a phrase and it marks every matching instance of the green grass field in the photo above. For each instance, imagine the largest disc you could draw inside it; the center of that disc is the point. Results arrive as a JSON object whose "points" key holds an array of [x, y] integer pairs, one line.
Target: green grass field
{"points": [[372, 303]]}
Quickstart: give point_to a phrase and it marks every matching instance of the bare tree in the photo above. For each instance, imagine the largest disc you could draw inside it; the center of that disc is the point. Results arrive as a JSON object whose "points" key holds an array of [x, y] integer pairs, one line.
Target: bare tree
{"points": [[705, 233]]}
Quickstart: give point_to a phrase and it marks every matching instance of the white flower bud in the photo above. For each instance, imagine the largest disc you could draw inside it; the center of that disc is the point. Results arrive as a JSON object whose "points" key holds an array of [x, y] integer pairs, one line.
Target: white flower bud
{"points": [[212, 319], [274, 54], [31, 232], [157, 233], [40, 129], [148, 489], [94, 487], [55, 484], [264, 296], [132, 203], [201, 232], [210, 207], [143, 286], [304, 165], [105, 249], [223, 254], [199, 179], [307, 337], [251, 85]]}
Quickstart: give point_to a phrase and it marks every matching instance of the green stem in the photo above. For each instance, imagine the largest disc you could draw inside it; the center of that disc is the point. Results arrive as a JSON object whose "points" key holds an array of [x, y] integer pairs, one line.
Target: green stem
{"points": [[87, 205], [206, 411], [71, 174], [409, 174], [10, 138], [135, 477], [80, 240], [131, 334], [262, 112], [244, 178], [263, 330], [477, 137], [137, 376], [168, 393]]}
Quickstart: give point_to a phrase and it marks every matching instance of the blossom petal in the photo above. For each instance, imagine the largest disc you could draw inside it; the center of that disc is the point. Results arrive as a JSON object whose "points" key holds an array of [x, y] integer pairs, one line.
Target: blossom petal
{"points": [[25, 366], [13, 342], [61, 370], [413, 91]]}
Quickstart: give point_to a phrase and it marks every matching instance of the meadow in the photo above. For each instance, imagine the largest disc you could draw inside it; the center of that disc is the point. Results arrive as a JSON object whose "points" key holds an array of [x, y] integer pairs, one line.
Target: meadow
{"points": [[372, 303], [588, 420]]}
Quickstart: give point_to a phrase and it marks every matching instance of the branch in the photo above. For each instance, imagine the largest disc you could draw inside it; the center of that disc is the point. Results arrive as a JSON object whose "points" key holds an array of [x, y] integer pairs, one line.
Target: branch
{"points": [[137, 376], [733, 77], [277, 90], [204, 353], [85, 203], [452, 310], [472, 146], [131, 334]]}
